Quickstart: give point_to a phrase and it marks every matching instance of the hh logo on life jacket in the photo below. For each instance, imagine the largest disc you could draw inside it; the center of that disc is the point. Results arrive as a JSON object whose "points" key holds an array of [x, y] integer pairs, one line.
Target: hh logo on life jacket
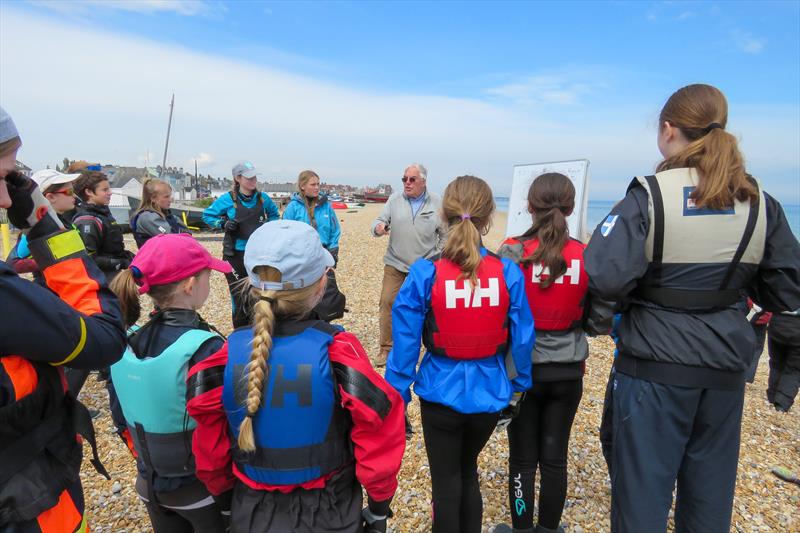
{"points": [[472, 297], [573, 273]]}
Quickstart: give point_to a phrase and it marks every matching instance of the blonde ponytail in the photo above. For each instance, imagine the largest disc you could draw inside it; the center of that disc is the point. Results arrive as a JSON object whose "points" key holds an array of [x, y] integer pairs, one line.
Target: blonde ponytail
{"points": [[467, 207], [700, 112], [257, 369], [267, 306], [127, 292]]}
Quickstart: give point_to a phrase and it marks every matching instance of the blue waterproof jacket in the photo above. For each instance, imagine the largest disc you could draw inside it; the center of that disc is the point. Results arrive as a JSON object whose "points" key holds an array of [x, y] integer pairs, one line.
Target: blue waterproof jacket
{"points": [[223, 209], [326, 223], [466, 386]]}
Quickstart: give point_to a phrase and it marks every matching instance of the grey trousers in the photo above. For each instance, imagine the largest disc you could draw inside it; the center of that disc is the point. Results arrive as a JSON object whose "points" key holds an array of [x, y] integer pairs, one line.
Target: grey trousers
{"points": [[663, 434]]}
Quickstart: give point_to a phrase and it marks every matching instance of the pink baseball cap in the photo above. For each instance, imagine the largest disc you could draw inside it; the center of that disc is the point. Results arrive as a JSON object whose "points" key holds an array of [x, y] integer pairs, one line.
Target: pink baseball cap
{"points": [[165, 259]]}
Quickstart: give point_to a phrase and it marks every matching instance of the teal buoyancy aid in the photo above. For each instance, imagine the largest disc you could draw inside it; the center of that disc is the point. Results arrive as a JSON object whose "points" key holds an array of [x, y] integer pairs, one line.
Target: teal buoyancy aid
{"points": [[152, 394]]}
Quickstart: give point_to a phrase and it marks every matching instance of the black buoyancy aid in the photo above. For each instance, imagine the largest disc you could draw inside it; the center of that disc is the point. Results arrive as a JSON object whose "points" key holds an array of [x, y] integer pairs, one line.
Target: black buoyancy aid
{"points": [[465, 322], [560, 305], [683, 238], [249, 219], [301, 431], [40, 454], [112, 243], [141, 238]]}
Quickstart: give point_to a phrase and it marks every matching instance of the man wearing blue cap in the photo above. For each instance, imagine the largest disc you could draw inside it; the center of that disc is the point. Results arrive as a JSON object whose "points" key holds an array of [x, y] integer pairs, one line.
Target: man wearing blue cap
{"points": [[239, 213]]}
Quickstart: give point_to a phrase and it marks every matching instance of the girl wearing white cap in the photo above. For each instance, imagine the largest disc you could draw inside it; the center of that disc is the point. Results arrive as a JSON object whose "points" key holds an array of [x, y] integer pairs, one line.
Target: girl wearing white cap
{"points": [[292, 420]]}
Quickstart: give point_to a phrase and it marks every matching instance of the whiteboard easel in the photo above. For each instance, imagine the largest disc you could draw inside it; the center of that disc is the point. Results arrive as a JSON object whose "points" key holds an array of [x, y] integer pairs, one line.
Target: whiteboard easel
{"points": [[519, 219]]}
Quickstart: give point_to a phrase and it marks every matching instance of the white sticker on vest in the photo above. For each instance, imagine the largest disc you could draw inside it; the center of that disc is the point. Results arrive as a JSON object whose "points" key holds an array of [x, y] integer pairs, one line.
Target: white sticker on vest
{"points": [[608, 225], [452, 295], [573, 273]]}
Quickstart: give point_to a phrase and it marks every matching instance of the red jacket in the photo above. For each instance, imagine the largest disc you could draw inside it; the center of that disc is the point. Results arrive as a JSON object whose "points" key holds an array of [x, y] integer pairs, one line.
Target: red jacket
{"points": [[378, 443]]}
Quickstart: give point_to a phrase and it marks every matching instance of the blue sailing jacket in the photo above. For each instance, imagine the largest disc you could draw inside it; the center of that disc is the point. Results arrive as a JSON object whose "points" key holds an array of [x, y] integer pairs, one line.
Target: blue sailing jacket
{"points": [[466, 386], [223, 209], [326, 223]]}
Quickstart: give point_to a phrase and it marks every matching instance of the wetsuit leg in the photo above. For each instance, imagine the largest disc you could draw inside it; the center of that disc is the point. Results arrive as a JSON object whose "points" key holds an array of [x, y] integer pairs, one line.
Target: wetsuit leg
{"points": [[239, 312], [707, 478], [453, 441], [523, 446], [560, 399], [607, 422]]}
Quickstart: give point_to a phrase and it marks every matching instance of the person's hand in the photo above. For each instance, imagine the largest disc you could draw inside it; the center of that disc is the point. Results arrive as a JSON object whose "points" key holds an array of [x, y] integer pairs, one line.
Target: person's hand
{"points": [[230, 225], [374, 523], [763, 318], [28, 205], [381, 229], [510, 413]]}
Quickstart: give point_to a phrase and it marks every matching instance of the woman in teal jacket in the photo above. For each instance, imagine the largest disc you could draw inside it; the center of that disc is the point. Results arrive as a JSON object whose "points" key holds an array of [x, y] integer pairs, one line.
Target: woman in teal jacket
{"points": [[311, 207], [240, 212]]}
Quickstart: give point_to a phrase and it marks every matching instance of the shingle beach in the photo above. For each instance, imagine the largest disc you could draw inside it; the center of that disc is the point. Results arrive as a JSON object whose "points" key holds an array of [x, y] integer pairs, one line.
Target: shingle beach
{"points": [[769, 439]]}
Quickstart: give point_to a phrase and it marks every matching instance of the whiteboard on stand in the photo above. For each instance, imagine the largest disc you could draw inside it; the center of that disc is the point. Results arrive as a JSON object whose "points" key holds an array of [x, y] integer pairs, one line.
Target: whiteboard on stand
{"points": [[519, 219]]}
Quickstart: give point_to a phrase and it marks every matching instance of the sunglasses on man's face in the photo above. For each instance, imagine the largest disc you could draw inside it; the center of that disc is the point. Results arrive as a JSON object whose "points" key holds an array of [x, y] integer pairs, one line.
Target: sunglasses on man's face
{"points": [[409, 179], [65, 192]]}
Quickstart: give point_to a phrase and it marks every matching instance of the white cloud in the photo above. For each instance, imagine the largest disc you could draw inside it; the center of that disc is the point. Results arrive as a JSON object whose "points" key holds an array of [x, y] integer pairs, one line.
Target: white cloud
{"points": [[555, 88], [748, 43], [80, 92], [81, 7]]}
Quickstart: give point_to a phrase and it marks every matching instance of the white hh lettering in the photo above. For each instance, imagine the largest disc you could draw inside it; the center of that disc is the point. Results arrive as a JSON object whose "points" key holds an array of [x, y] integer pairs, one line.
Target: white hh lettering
{"points": [[452, 294], [573, 273]]}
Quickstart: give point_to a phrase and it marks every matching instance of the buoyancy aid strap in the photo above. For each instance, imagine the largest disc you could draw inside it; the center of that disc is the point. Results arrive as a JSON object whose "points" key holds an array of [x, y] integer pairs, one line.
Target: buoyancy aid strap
{"points": [[658, 228], [465, 340], [749, 229], [689, 299], [150, 475], [82, 424]]}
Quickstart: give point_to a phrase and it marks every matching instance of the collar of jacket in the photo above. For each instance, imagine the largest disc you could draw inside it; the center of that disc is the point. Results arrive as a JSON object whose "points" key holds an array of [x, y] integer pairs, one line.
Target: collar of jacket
{"points": [[298, 197]]}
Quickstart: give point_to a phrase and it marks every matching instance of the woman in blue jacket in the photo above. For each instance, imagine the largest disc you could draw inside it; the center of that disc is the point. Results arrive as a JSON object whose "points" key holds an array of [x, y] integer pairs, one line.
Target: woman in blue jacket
{"points": [[469, 308], [311, 207], [240, 213]]}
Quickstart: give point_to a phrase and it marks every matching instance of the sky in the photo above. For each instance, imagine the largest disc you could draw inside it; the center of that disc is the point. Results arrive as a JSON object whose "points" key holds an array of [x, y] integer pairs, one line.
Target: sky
{"points": [[358, 90]]}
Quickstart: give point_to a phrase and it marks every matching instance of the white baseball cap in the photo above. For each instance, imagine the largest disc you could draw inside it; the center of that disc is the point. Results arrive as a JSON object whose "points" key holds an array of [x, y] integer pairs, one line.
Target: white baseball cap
{"points": [[291, 247], [244, 168], [47, 177]]}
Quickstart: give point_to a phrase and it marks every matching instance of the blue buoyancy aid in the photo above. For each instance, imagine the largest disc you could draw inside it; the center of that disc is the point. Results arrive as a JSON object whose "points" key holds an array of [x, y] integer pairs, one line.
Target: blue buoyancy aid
{"points": [[301, 431], [152, 394]]}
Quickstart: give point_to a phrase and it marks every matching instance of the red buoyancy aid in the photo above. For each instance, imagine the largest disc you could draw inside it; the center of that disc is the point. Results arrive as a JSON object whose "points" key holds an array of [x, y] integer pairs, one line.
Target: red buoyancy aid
{"points": [[465, 322], [559, 306]]}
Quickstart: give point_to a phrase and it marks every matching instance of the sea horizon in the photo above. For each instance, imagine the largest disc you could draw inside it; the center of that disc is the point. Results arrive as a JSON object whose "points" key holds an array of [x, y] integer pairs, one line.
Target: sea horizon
{"points": [[597, 210]]}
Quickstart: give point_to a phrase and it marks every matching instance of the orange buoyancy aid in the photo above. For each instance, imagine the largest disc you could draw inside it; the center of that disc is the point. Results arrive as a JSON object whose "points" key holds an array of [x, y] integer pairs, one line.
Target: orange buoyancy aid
{"points": [[466, 322], [559, 306]]}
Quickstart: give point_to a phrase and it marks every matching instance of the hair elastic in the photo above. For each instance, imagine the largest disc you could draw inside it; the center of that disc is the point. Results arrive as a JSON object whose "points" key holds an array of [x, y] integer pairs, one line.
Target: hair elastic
{"points": [[267, 299], [713, 126], [137, 274], [465, 216]]}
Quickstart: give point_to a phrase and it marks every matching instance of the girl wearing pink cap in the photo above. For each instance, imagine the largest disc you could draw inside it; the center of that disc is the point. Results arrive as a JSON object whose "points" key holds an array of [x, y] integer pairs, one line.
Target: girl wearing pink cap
{"points": [[148, 385]]}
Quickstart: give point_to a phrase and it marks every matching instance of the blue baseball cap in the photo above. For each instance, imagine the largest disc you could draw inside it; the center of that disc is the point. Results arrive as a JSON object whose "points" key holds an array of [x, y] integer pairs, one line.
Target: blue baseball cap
{"points": [[8, 130], [244, 168], [291, 247]]}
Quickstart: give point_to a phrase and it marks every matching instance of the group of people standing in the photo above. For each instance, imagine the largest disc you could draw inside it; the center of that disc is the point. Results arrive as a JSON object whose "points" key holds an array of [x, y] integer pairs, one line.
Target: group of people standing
{"points": [[281, 425]]}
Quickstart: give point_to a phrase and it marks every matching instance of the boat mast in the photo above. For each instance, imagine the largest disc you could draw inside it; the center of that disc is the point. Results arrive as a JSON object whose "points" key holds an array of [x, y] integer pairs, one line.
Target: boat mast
{"points": [[166, 145]]}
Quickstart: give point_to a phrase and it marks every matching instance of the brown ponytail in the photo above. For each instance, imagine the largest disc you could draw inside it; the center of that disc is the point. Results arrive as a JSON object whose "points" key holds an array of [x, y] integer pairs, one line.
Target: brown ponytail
{"points": [[267, 306], [700, 112], [304, 177], [126, 290], [467, 207], [551, 199]]}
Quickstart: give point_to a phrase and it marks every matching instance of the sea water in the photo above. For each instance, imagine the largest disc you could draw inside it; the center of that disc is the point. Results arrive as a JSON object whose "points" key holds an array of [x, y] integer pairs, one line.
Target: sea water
{"points": [[597, 210]]}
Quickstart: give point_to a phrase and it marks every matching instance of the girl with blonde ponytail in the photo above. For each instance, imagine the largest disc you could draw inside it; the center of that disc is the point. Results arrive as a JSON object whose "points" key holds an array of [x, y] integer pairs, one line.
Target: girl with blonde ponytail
{"points": [[468, 307], [147, 387], [557, 287], [680, 251], [290, 411]]}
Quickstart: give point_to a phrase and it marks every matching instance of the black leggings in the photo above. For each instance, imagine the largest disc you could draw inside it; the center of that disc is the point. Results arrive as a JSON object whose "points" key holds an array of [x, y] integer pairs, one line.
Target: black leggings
{"points": [[239, 311], [539, 436], [453, 441]]}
